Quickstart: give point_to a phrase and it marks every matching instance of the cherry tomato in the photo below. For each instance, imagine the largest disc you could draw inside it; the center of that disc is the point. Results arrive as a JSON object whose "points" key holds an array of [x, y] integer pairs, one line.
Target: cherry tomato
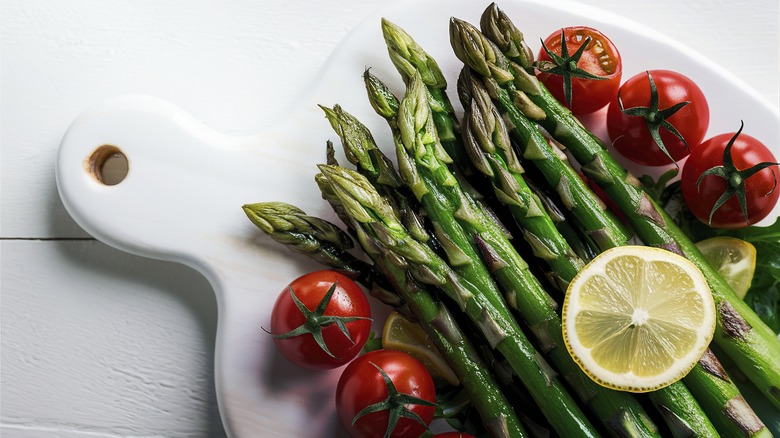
{"points": [[362, 385], [600, 58], [630, 134], [294, 336], [760, 192]]}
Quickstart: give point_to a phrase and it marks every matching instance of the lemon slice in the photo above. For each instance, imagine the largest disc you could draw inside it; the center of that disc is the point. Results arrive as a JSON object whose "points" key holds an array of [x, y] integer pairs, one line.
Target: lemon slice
{"points": [[733, 258], [399, 333], [638, 318]]}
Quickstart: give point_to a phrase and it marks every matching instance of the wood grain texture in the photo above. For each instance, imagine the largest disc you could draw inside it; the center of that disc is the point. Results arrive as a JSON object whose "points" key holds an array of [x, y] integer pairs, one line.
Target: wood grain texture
{"points": [[104, 358], [98, 343]]}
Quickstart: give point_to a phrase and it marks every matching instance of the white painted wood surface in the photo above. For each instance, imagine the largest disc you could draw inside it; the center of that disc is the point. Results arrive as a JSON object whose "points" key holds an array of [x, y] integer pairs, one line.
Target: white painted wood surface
{"points": [[96, 342]]}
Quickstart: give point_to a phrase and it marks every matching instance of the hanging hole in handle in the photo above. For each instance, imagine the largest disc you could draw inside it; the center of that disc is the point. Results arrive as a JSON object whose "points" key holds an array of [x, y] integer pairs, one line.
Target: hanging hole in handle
{"points": [[108, 164]]}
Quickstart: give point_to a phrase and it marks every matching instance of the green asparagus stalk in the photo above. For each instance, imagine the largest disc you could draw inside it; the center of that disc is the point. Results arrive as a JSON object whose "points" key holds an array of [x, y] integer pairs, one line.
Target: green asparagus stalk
{"points": [[619, 413], [362, 151], [579, 244], [497, 327], [427, 174], [488, 145], [291, 227], [587, 209], [408, 58], [740, 333], [717, 395], [316, 238], [323, 242], [689, 416]]}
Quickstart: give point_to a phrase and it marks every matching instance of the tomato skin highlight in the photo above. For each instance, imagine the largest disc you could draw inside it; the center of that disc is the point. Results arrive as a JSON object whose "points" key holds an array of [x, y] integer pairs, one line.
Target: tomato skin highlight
{"points": [[348, 300], [746, 152], [362, 385], [630, 135], [588, 95]]}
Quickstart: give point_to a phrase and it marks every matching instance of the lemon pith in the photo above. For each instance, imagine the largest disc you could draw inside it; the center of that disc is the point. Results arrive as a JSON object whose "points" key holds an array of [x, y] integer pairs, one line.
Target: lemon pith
{"points": [[399, 333], [734, 259]]}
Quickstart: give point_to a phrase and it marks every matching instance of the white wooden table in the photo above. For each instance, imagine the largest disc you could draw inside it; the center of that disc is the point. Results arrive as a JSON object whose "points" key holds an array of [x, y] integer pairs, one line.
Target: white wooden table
{"points": [[99, 343]]}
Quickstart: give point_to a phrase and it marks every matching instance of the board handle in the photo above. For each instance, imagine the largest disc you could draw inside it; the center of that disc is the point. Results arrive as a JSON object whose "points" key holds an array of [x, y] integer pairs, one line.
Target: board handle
{"points": [[166, 152]]}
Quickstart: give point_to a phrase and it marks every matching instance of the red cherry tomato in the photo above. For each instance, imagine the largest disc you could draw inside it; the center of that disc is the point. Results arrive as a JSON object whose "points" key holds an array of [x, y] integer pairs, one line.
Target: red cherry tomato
{"points": [[346, 301], [630, 134], [760, 192], [362, 385], [600, 58]]}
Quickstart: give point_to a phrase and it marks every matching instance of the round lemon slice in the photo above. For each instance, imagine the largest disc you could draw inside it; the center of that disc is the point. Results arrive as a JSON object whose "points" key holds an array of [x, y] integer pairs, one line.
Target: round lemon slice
{"points": [[733, 258], [399, 333], [638, 318]]}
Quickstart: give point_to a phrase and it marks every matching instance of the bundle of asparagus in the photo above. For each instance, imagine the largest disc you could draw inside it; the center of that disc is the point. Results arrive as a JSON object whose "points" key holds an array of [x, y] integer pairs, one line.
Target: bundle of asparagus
{"points": [[439, 254]]}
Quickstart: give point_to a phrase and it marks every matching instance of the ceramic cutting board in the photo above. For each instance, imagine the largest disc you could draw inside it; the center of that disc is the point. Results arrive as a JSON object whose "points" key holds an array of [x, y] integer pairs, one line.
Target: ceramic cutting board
{"points": [[181, 198]]}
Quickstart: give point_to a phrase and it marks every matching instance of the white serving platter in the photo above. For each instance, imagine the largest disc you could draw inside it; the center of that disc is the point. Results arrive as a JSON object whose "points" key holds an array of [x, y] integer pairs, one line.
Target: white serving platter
{"points": [[181, 199]]}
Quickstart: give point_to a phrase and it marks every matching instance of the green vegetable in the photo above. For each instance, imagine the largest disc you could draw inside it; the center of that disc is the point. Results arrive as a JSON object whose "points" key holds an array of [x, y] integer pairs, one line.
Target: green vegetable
{"points": [[280, 219], [531, 100], [740, 332], [383, 234], [764, 293], [471, 231], [486, 150]]}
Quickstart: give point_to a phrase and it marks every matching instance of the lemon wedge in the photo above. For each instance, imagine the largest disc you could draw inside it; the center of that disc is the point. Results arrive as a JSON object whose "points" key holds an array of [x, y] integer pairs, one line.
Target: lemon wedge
{"points": [[399, 333], [638, 318], [733, 258]]}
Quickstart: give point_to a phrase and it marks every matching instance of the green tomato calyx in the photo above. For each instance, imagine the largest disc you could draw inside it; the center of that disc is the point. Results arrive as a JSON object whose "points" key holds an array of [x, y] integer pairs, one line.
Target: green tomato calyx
{"points": [[316, 321], [656, 118], [395, 404], [735, 178], [566, 66]]}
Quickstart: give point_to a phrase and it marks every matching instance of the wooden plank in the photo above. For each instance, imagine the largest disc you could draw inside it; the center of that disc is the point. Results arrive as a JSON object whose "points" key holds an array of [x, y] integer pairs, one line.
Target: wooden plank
{"points": [[97, 342]]}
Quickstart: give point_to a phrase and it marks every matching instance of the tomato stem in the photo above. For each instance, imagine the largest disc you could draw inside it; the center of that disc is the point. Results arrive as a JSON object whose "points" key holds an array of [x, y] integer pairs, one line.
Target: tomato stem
{"points": [[735, 178], [656, 118], [566, 66], [316, 320], [395, 404]]}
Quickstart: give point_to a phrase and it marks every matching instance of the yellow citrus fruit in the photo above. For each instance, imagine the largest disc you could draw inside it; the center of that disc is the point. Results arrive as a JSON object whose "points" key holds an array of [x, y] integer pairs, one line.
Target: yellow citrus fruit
{"points": [[638, 318], [400, 333], [733, 258]]}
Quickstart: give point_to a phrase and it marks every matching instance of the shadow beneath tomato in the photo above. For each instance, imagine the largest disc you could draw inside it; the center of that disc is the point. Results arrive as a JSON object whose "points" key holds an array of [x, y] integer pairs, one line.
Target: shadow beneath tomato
{"points": [[313, 392]]}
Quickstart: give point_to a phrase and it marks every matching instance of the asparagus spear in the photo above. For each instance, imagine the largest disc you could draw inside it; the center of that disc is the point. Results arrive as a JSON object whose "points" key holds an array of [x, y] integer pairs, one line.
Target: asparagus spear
{"points": [[579, 244], [316, 238], [587, 209], [322, 242], [711, 386], [487, 144], [426, 172], [619, 413], [362, 151], [739, 332], [497, 327], [327, 244], [408, 58]]}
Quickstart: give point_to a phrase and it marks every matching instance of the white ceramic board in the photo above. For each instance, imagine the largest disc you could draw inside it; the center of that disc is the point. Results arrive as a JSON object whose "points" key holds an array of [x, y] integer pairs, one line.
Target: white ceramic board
{"points": [[182, 197]]}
